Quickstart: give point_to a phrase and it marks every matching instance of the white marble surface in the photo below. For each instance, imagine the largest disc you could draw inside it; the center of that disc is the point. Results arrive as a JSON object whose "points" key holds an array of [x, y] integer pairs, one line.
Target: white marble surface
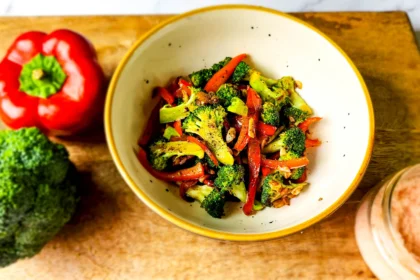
{"points": [[88, 7], [79, 7]]}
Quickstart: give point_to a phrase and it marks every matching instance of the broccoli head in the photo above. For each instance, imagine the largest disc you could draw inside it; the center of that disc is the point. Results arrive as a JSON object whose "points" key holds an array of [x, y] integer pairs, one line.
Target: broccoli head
{"points": [[275, 187], [199, 192], [214, 203], [207, 122], [242, 72], [30, 149], [231, 179], [229, 97], [169, 114], [170, 132], [38, 193], [201, 77], [226, 93], [297, 173], [267, 88], [237, 106], [292, 141], [160, 151], [281, 91], [297, 115], [270, 114], [288, 83], [211, 199]]}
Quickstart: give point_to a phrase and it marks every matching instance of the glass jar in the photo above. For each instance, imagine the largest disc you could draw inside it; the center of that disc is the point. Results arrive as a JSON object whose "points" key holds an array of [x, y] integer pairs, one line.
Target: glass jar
{"points": [[388, 226]]}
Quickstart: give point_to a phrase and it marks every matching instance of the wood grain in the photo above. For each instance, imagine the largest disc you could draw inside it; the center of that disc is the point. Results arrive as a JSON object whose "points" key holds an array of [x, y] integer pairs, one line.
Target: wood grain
{"points": [[115, 236]]}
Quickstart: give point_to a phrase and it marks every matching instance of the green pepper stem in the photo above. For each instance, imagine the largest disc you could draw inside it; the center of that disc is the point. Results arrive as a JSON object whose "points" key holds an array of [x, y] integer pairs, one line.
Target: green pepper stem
{"points": [[37, 74]]}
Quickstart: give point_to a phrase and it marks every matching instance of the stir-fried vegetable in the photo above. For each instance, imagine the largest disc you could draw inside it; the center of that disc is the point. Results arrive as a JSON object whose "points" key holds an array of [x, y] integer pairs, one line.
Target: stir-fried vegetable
{"points": [[230, 134]]}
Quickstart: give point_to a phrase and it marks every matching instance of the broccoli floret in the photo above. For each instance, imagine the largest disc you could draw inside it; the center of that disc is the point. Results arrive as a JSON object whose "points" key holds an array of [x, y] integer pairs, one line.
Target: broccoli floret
{"points": [[292, 141], [200, 78], [274, 187], [38, 193], [271, 187], [258, 206], [281, 91], [238, 107], [207, 122], [231, 179], [268, 89], [288, 83], [241, 72], [297, 173], [199, 192], [229, 97], [170, 132], [297, 114], [169, 114], [214, 203], [160, 151], [270, 114], [226, 93]]}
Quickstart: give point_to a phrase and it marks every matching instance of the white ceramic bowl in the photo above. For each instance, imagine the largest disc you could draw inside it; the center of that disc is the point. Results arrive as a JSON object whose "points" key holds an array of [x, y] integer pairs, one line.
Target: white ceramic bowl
{"points": [[278, 44]]}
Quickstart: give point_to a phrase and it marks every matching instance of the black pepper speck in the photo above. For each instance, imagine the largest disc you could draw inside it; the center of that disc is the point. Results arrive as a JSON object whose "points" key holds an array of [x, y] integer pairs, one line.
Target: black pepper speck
{"points": [[269, 35], [344, 127], [170, 44], [319, 59], [252, 27], [151, 181], [348, 114], [271, 222], [147, 81], [167, 190], [344, 155]]}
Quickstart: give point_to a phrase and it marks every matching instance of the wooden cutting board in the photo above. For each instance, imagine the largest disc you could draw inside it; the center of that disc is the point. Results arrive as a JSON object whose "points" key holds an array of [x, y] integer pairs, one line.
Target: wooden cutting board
{"points": [[115, 236]]}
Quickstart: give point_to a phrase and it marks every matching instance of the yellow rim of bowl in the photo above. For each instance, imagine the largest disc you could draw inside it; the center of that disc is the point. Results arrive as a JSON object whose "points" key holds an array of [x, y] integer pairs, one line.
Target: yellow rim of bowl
{"points": [[208, 232]]}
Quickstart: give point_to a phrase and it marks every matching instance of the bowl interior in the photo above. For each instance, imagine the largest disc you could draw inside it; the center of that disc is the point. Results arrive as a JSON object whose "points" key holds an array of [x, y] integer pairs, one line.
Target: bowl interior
{"points": [[278, 46]]}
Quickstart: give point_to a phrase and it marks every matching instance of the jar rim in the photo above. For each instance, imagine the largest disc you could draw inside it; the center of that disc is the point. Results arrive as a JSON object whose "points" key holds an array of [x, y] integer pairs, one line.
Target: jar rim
{"points": [[396, 248]]}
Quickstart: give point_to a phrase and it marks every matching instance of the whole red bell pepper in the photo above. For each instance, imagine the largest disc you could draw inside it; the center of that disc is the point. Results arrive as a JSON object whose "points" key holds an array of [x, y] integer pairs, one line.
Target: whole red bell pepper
{"points": [[51, 81]]}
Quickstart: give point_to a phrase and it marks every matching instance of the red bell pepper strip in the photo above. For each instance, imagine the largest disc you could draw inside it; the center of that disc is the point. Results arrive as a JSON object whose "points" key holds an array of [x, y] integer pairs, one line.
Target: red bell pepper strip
{"points": [[243, 137], [184, 186], [184, 83], [187, 174], [165, 94], [254, 163], [266, 129], [253, 100], [205, 149], [221, 76], [52, 81], [178, 127], [303, 177], [266, 171], [291, 163], [152, 126], [310, 143], [305, 125], [208, 182]]}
